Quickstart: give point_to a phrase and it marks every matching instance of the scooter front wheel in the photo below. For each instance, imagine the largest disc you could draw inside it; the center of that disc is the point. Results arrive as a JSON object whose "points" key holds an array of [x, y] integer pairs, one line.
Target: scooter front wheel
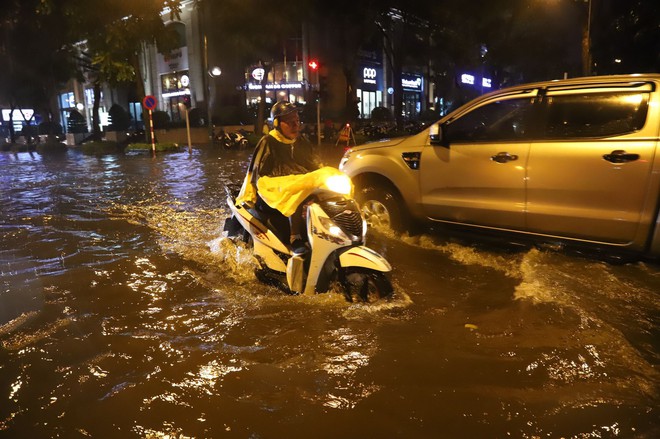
{"points": [[365, 285]]}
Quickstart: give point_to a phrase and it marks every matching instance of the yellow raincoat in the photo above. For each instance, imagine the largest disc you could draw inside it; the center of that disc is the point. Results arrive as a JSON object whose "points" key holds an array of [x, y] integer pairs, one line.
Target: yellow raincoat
{"points": [[284, 193], [287, 192]]}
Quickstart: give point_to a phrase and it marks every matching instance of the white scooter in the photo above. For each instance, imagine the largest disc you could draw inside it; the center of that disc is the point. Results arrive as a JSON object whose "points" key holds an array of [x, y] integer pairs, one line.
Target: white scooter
{"points": [[335, 231]]}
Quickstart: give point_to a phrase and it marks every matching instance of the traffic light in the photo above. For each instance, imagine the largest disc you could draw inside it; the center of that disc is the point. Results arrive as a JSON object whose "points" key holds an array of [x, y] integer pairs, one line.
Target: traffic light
{"points": [[313, 64], [186, 101]]}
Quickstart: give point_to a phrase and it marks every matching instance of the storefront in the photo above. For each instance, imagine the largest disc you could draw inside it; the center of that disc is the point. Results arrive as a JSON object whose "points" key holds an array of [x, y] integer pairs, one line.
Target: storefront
{"points": [[283, 82], [174, 75], [80, 101], [413, 93], [369, 93], [175, 89]]}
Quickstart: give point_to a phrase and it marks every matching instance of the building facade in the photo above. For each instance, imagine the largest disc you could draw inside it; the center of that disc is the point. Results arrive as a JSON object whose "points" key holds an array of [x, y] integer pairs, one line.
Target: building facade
{"points": [[185, 78]]}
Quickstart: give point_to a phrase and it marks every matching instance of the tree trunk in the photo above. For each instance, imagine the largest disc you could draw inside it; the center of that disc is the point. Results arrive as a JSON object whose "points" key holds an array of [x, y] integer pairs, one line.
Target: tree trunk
{"points": [[12, 133], [139, 75], [96, 120]]}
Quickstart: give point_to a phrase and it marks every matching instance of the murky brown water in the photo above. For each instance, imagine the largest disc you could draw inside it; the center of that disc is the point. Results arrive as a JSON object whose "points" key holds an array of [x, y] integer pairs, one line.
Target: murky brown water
{"points": [[123, 314]]}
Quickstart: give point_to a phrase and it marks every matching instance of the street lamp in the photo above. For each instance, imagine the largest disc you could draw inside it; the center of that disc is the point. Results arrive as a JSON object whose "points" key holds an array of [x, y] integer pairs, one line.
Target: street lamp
{"points": [[213, 72]]}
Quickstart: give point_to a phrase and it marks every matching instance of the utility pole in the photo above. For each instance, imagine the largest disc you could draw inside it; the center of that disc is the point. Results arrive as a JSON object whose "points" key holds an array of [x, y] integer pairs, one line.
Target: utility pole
{"points": [[586, 43]]}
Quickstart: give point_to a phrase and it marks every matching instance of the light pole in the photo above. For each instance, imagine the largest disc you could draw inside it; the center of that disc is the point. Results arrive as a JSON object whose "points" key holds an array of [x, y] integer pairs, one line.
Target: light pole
{"points": [[214, 72], [314, 65], [586, 43]]}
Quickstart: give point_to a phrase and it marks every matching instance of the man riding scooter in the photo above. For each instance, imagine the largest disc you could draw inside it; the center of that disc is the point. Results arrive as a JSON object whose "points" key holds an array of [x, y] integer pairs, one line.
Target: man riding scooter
{"points": [[326, 248], [280, 153]]}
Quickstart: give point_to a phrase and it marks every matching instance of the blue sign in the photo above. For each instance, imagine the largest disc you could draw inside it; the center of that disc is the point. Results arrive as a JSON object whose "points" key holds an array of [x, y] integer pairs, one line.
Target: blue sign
{"points": [[149, 102]]}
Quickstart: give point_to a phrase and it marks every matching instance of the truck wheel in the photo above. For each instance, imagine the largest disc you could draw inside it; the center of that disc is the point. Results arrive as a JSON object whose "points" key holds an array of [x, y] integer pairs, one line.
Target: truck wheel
{"points": [[381, 208]]}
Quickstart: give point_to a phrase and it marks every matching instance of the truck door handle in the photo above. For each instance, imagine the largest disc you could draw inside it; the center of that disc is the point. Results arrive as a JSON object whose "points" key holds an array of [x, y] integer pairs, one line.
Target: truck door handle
{"points": [[620, 156], [503, 157]]}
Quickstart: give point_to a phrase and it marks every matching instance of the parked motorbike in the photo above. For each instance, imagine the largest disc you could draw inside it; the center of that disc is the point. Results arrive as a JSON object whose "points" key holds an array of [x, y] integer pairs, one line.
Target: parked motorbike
{"points": [[335, 232], [239, 139], [232, 140]]}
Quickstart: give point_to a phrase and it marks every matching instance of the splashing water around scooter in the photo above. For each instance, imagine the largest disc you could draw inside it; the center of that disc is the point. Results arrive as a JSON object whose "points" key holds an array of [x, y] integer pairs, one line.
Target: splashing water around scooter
{"points": [[335, 233]]}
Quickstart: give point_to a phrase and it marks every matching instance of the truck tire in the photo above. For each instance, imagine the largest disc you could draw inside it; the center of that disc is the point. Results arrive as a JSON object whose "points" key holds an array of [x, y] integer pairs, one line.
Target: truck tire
{"points": [[382, 208]]}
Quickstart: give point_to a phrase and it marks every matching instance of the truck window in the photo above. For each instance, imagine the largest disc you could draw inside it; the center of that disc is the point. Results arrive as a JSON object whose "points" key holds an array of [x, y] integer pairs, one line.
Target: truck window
{"points": [[594, 114], [497, 121]]}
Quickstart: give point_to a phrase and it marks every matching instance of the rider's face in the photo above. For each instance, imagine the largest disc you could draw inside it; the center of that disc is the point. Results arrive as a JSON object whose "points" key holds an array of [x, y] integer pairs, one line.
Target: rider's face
{"points": [[290, 125]]}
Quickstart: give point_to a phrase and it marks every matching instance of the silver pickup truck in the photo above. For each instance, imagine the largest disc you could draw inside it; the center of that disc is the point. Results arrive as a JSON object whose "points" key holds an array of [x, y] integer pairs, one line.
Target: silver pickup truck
{"points": [[570, 160]]}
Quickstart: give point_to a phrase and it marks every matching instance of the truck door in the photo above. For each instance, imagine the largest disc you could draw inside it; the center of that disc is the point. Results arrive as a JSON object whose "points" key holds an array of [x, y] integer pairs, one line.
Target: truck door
{"points": [[588, 176], [479, 177]]}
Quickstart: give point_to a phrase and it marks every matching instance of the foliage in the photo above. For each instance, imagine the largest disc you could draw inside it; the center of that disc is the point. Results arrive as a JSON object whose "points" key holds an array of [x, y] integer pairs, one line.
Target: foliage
{"points": [[381, 114], [34, 67], [626, 36], [98, 147], [119, 118], [195, 117], [161, 119], [160, 147], [52, 128], [76, 123], [115, 32]]}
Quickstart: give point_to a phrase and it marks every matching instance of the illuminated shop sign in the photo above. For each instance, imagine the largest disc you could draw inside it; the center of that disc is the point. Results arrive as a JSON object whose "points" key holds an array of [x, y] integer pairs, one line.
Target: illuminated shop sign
{"points": [[25, 114], [411, 82], [472, 80], [175, 84], [283, 86], [369, 75], [258, 74], [176, 60]]}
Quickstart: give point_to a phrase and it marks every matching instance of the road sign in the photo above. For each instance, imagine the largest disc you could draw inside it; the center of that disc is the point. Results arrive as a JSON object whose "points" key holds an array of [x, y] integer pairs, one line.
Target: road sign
{"points": [[149, 102]]}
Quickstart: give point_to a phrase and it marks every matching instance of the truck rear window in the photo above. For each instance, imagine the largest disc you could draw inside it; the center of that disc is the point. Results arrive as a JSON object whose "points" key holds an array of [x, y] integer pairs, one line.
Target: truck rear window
{"points": [[594, 114]]}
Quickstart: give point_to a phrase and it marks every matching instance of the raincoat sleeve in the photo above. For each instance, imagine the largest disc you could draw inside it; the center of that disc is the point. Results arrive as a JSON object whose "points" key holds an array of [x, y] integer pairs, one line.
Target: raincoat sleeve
{"points": [[285, 193]]}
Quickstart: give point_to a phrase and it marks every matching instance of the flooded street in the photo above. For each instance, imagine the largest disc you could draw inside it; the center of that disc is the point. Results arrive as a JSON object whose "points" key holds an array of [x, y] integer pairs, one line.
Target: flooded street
{"points": [[123, 313]]}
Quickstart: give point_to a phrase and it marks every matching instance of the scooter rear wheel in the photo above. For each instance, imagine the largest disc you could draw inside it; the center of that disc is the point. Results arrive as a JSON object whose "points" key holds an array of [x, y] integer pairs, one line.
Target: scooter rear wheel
{"points": [[366, 285]]}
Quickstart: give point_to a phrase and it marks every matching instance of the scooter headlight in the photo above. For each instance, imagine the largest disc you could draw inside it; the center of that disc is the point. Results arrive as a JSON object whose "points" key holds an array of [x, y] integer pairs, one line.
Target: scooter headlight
{"points": [[340, 184], [333, 231]]}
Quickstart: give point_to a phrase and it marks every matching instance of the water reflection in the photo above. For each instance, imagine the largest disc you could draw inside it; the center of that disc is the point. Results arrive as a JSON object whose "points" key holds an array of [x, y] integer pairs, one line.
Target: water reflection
{"points": [[184, 180], [124, 312]]}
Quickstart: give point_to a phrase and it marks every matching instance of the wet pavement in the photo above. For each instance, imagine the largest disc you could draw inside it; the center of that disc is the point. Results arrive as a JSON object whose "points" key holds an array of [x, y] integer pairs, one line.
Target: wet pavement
{"points": [[124, 313]]}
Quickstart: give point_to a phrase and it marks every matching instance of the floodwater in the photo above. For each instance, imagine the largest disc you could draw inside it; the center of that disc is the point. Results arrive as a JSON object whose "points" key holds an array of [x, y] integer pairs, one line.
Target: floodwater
{"points": [[123, 313]]}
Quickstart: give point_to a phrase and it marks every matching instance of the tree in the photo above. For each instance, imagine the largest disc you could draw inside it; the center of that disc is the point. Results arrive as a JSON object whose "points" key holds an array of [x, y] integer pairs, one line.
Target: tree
{"points": [[115, 34], [626, 36], [46, 42], [34, 67]]}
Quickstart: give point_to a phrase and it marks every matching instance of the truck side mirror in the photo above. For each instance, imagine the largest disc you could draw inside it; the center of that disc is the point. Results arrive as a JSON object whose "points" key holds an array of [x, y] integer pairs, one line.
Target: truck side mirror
{"points": [[438, 135]]}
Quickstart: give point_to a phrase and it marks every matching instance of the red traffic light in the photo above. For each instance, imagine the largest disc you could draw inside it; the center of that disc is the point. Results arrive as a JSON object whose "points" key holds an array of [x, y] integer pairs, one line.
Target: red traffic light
{"points": [[313, 64]]}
